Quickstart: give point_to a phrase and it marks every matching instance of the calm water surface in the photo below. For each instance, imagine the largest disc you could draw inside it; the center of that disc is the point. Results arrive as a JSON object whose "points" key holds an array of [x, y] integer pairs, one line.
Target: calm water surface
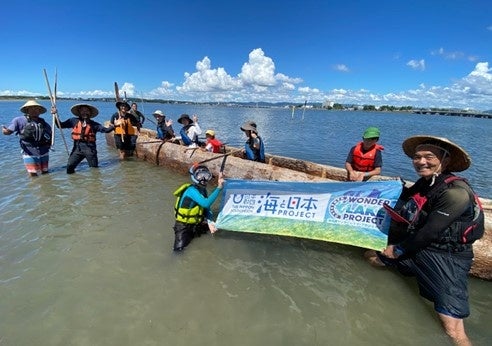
{"points": [[86, 259]]}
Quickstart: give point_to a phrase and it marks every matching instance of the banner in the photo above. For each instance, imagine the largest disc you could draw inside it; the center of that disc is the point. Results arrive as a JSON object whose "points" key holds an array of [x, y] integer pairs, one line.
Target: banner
{"points": [[341, 212]]}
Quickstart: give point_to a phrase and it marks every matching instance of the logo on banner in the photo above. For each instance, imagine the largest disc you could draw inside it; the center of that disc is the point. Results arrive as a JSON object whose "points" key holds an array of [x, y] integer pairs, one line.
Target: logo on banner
{"points": [[357, 210], [277, 204]]}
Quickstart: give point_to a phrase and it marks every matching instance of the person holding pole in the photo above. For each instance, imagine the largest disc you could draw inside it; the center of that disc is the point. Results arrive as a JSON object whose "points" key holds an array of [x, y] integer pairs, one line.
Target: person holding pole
{"points": [[83, 134], [34, 137], [126, 129]]}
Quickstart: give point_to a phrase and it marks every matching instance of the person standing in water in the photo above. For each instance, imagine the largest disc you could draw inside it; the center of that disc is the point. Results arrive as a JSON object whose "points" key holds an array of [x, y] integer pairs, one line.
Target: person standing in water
{"points": [[34, 136]]}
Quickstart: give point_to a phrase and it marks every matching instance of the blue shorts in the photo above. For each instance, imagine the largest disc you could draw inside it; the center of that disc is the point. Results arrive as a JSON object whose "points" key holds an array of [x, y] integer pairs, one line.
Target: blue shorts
{"points": [[442, 278]]}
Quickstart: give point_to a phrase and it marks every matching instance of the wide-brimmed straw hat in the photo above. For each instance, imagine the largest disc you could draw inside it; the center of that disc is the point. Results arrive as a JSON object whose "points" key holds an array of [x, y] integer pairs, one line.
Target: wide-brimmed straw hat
{"points": [[459, 160], [31, 103], [158, 113], [210, 133], [76, 109], [120, 103], [184, 116]]}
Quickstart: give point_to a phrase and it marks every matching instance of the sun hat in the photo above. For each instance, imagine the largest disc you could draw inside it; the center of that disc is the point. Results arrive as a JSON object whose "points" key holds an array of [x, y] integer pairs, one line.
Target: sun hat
{"points": [[120, 103], [371, 132], [158, 113], [184, 116], [459, 158], [76, 109], [31, 103], [210, 133], [249, 126]]}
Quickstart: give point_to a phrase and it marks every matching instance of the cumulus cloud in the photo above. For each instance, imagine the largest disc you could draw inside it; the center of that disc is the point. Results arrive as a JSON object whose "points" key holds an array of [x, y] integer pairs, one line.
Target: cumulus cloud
{"points": [[417, 64], [259, 70], [127, 88], [206, 79], [341, 68], [256, 81]]}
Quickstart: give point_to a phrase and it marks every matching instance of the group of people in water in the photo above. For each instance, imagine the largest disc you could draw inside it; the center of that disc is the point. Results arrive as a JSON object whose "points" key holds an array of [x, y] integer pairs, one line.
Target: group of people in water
{"points": [[429, 237], [36, 135]]}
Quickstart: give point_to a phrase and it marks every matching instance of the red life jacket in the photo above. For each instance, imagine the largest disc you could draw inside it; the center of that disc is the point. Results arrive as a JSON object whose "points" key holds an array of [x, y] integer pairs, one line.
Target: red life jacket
{"points": [[83, 134], [216, 145], [364, 162]]}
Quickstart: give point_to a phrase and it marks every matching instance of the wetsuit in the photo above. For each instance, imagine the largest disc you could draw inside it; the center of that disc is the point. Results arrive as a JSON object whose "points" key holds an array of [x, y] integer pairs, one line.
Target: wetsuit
{"points": [[430, 252]]}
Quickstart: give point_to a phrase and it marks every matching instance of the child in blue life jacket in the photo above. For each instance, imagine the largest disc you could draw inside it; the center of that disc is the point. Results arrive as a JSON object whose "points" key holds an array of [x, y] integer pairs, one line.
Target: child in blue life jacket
{"points": [[192, 207]]}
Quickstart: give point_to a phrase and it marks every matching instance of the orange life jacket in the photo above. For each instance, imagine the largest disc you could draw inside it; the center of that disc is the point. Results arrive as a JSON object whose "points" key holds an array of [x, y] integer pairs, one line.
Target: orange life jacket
{"points": [[125, 128], [364, 162], [83, 133]]}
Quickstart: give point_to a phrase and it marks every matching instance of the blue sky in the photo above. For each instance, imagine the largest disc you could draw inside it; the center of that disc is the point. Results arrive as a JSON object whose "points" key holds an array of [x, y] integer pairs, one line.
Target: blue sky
{"points": [[420, 53]]}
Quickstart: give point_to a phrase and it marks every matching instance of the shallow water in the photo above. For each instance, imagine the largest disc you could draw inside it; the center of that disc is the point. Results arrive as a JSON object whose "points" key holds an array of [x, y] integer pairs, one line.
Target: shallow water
{"points": [[86, 259]]}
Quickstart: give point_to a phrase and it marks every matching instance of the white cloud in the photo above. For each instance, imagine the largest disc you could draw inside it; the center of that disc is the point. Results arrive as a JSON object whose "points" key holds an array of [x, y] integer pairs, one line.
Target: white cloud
{"points": [[417, 64], [17, 93], [206, 79], [259, 70], [341, 68], [127, 88], [166, 89]]}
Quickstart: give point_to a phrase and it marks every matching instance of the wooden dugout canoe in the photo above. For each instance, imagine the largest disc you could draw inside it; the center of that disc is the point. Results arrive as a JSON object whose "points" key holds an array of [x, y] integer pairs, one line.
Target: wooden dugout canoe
{"points": [[279, 168]]}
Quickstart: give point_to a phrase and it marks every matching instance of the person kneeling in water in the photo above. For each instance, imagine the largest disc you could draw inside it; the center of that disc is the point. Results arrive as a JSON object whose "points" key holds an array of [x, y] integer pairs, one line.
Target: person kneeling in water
{"points": [[192, 207]]}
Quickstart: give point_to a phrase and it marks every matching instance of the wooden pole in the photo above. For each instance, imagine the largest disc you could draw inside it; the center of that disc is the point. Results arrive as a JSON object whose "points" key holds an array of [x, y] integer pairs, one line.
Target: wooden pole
{"points": [[53, 104]]}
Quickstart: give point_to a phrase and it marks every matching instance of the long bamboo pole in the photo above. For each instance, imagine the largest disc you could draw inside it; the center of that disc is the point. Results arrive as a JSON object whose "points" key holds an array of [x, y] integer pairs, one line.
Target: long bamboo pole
{"points": [[53, 104]]}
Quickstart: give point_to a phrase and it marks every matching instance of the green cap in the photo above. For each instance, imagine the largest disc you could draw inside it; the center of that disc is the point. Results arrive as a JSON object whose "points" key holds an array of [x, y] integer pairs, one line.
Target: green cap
{"points": [[371, 132]]}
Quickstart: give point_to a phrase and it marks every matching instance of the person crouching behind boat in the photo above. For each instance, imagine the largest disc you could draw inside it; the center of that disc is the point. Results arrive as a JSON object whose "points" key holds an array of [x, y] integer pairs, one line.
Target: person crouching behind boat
{"points": [[365, 158], [164, 128], [192, 207], [212, 144], [126, 129], [254, 148], [190, 131], [83, 134], [34, 135]]}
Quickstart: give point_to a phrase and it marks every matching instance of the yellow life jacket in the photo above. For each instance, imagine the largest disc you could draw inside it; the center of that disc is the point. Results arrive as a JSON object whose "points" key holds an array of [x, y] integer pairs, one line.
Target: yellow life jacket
{"points": [[191, 214]]}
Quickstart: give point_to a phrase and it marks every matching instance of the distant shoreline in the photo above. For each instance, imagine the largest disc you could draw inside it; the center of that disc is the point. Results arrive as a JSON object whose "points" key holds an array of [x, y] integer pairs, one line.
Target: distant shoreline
{"points": [[317, 106]]}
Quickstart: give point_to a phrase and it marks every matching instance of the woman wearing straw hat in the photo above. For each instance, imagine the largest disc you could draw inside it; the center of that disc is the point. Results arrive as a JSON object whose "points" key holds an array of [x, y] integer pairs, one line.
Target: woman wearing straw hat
{"points": [[83, 134], [254, 148], [126, 131], [432, 247], [35, 137]]}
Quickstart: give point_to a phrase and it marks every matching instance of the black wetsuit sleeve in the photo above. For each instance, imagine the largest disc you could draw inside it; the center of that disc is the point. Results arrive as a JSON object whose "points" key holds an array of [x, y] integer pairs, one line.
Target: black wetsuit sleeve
{"points": [[447, 207]]}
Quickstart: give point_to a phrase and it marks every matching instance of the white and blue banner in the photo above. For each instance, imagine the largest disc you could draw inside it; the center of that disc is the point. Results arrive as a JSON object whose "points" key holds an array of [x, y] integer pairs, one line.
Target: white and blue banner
{"points": [[341, 212]]}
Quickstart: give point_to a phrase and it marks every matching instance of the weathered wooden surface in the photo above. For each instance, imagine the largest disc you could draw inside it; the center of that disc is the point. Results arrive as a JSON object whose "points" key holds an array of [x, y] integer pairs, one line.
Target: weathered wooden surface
{"points": [[278, 168]]}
